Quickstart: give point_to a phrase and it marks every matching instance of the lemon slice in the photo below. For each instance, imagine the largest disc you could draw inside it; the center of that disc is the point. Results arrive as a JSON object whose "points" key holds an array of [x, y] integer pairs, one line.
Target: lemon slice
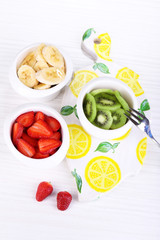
{"points": [[80, 79], [131, 79], [102, 173], [80, 142], [103, 49], [141, 150], [123, 136]]}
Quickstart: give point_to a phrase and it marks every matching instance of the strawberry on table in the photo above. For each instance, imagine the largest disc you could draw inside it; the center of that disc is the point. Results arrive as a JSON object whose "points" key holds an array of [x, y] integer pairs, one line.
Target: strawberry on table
{"points": [[63, 200], [40, 129], [39, 115], [31, 141], [25, 148], [26, 119], [53, 123], [48, 145], [44, 190], [17, 132]]}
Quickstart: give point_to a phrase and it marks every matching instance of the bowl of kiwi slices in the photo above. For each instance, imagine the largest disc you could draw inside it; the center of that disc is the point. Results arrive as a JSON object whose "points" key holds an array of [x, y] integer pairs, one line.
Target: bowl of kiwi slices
{"points": [[101, 106]]}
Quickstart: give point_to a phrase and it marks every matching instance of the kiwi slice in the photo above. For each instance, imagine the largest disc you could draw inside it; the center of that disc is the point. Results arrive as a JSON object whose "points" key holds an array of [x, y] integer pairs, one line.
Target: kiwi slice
{"points": [[103, 119], [89, 107], [105, 101], [121, 100], [97, 91], [119, 119]]}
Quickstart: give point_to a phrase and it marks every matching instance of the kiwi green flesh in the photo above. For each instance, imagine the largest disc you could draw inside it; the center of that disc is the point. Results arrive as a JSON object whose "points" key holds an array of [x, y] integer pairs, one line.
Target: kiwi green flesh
{"points": [[103, 119], [106, 102], [98, 91], [121, 100], [119, 119], [89, 107]]}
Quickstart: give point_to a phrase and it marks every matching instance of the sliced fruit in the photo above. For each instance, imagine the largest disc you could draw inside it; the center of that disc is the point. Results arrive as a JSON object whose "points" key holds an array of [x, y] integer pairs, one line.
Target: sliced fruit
{"points": [[63, 200], [53, 123], [97, 91], [121, 100], [40, 65], [80, 142], [25, 148], [40, 129], [44, 190], [48, 145], [39, 115], [131, 79], [38, 53], [103, 119], [102, 173], [27, 76], [141, 150], [119, 119], [123, 136], [80, 79], [89, 106], [50, 76], [56, 135], [39, 155], [26, 119], [104, 101], [29, 60], [17, 132], [42, 86], [52, 56], [33, 142], [103, 48]]}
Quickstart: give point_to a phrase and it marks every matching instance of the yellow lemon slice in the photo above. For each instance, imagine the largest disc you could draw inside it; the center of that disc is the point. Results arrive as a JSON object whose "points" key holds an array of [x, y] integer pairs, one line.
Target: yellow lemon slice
{"points": [[123, 136], [102, 173], [141, 150], [80, 79], [80, 142], [103, 49], [131, 79]]}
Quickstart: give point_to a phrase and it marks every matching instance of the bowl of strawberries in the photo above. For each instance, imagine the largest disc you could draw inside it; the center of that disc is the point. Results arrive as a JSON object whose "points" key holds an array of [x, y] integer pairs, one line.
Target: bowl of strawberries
{"points": [[37, 135]]}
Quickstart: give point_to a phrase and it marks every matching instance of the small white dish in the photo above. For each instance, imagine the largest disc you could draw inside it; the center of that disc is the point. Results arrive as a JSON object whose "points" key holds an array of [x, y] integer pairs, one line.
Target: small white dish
{"points": [[106, 83], [49, 162], [33, 94]]}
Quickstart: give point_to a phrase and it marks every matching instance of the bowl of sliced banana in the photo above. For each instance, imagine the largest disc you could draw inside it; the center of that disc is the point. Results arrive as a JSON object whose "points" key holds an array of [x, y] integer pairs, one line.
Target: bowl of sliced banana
{"points": [[40, 71], [102, 105]]}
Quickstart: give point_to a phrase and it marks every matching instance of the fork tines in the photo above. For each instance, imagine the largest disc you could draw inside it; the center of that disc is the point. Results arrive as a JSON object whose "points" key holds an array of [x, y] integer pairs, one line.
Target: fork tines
{"points": [[135, 116]]}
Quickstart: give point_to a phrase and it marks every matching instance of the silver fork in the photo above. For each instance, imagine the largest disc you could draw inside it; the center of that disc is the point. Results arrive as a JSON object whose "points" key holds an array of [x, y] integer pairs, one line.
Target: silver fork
{"points": [[142, 123]]}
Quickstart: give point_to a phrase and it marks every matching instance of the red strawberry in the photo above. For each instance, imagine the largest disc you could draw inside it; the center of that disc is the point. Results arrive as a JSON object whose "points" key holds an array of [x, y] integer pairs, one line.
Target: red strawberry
{"points": [[26, 119], [63, 200], [56, 135], [39, 115], [25, 148], [44, 190], [39, 155], [40, 129], [53, 151], [48, 145], [30, 140], [17, 132], [53, 123]]}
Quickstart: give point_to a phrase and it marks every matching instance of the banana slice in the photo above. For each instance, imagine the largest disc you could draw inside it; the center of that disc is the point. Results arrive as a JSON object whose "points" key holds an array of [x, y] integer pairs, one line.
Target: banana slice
{"points": [[29, 60], [39, 56], [42, 86], [50, 76], [53, 56], [27, 76], [40, 65]]}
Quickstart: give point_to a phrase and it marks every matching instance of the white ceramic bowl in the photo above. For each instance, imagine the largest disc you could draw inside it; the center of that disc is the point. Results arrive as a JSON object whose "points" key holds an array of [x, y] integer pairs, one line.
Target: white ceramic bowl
{"points": [[49, 162], [108, 83], [33, 94]]}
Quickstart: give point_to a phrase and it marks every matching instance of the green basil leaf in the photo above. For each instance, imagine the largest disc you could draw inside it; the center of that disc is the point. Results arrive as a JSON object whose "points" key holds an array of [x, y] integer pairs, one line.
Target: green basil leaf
{"points": [[145, 105], [67, 110], [103, 68], [95, 66], [75, 112], [87, 33], [104, 147], [115, 145], [78, 180]]}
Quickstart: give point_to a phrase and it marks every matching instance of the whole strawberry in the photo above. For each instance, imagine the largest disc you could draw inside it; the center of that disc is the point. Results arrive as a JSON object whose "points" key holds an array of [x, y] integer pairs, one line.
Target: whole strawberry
{"points": [[44, 190], [63, 200]]}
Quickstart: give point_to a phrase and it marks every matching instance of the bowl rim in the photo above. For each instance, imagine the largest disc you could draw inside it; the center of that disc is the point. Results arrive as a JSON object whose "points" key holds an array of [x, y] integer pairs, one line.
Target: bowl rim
{"points": [[10, 119], [18, 85], [83, 119]]}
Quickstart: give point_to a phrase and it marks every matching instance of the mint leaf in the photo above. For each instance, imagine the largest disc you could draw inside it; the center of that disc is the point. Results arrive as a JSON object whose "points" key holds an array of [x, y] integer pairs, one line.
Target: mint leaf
{"points": [[87, 33], [95, 66], [75, 111], [145, 105], [104, 147], [78, 180], [67, 110], [103, 68], [115, 145]]}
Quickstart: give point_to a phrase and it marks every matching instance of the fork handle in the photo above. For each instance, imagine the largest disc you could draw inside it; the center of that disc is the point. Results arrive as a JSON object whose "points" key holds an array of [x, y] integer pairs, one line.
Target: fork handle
{"points": [[155, 141]]}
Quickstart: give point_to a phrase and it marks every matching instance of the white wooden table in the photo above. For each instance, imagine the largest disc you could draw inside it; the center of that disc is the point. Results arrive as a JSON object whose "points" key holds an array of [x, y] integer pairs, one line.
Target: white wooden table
{"points": [[132, 211]]}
